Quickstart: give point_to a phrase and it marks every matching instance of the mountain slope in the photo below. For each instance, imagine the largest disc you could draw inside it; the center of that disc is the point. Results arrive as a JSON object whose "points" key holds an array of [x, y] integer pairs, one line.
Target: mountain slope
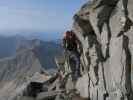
{"points": [[44, 51], [8, 45], [47, 50], [15, 71]]}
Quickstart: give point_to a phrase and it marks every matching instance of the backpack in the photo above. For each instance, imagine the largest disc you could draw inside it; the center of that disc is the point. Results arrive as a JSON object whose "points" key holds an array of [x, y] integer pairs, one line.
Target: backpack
{"points": [[70, 41]]}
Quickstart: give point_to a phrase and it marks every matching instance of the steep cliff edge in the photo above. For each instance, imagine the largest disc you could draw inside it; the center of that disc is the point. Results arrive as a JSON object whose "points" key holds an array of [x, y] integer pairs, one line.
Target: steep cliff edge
{"points": [[105, 29]]}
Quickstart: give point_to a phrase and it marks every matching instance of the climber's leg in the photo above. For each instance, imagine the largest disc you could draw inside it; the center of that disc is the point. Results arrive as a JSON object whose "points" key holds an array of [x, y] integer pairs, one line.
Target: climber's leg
{"points": [[76, 70]]}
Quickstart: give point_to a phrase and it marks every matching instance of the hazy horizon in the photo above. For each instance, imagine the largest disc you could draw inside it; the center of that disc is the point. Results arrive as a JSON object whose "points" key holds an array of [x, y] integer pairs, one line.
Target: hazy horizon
{"points": [[45, 16]]}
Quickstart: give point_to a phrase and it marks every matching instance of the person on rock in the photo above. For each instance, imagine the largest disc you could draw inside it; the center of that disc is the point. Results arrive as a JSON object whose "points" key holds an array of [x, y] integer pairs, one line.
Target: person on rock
{"points": [[71, 45]]}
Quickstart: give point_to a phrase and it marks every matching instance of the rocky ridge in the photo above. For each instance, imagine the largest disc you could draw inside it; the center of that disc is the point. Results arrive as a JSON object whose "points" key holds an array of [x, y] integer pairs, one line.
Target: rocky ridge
{"points": [[19, 70], [104, 29]]}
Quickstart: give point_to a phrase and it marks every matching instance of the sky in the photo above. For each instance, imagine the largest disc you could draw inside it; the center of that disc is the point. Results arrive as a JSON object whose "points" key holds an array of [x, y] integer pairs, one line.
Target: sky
{"points": [[38, 15]]}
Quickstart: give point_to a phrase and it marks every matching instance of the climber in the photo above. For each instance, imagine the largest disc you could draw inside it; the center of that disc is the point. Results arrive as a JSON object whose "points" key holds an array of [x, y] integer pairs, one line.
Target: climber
{"points": [[71, 45]]}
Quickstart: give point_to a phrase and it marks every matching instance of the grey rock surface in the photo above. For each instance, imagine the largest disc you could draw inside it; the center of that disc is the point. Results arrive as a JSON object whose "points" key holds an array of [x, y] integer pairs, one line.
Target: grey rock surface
{"points": [[105, 31]]}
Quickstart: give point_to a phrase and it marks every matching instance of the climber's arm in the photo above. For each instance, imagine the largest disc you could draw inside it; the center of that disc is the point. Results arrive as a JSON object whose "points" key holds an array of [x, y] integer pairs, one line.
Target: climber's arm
{"points": [[64, 43], [79, 46]]}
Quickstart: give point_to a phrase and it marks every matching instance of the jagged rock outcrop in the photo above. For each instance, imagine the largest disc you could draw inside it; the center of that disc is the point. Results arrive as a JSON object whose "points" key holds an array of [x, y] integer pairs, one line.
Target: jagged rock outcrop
{"points": [[105, 31], [15, 71], [18, 71]]}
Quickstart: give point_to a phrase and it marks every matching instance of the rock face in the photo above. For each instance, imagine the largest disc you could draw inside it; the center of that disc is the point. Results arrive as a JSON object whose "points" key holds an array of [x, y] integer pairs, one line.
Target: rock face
{"points": [[105, 29]]}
